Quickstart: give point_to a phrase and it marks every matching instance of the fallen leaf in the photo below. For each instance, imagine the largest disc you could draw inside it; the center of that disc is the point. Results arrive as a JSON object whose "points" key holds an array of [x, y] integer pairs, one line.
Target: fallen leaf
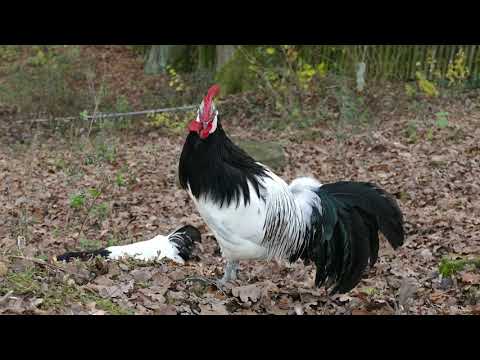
{"points": [[470, 278], [407, 290], [344, 298], [360, 312], [141, 275], [213, 309], [177, 275], [247, 292], [437, 296], [124, 267], [104, 281], [3, 269], [164, 309]]}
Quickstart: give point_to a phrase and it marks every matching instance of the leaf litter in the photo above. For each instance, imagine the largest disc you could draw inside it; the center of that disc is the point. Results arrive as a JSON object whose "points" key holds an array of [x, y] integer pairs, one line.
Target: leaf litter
{"points": [[436, 180]]}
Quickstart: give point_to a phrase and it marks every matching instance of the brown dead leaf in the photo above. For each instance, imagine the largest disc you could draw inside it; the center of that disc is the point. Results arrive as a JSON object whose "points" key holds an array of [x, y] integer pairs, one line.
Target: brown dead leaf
{"points": [[177, 275], [360, 312], [252, 292], [164, 309], [407, 290], [161, 280], [471, 278], [104, 281], [3, 268], [475, 309], [437, 297], [124, 267], [213, 309], [141, 275]]}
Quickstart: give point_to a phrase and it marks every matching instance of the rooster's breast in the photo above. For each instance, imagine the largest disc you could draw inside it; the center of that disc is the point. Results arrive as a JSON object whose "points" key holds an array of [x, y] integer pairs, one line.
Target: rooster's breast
{"points": [[237, 228]]}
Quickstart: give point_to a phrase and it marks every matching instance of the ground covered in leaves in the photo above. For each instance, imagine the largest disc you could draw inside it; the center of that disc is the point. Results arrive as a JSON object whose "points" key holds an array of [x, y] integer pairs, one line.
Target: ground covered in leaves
{"points": [[64, 190], [120, 186]]}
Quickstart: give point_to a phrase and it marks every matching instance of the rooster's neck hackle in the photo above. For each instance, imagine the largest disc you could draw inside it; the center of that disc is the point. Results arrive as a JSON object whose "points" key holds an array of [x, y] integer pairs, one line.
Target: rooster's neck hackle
{"points": [[216, 168]]}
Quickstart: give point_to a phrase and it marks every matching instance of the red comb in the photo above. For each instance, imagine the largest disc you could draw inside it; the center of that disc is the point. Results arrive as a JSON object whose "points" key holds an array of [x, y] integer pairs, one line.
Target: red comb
{"points": [[207, 101]]}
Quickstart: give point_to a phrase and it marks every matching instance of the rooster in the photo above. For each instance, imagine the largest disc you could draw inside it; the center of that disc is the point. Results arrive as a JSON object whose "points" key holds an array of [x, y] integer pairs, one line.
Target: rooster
{"points": [[176, 246], [255, 215]]}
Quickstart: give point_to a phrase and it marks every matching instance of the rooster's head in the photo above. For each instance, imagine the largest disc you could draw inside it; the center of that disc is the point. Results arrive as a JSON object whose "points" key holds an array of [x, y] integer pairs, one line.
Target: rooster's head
{"points": [[206, 121]]}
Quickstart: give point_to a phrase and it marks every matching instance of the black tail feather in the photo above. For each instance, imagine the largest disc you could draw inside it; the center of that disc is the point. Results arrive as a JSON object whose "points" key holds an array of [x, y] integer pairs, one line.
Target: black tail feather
{"points": [[376, 205], [83, 255], [347, 238]]}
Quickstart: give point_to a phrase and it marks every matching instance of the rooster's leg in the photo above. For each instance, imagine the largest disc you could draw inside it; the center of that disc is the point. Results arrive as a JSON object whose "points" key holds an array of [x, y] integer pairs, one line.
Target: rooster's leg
{"points": [[230, 272]]}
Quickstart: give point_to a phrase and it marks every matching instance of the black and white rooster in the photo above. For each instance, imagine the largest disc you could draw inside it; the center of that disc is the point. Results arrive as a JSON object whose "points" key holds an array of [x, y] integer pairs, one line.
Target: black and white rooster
{"points": [[255, 215], [176, 246]]}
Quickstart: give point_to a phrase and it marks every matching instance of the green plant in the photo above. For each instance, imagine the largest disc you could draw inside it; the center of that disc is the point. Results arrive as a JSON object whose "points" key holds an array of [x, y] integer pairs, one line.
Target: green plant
{"points": [[411, 132], [426, 86], [77, 201], [94, 192], [101, 152], [172, 121], [457, 71], [410, 90], [176, 81], [429, 135], [9, 53], [441, 119], [56, 232], [449, 267], [125, 176], [291, 79], [120, 179], [353, 109], [100, 211], [140, 50], [89, 245]]}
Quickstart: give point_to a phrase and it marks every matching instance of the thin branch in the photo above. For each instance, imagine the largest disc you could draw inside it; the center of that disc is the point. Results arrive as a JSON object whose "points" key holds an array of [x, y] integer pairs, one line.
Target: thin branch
{"points": [[102, 189], [36, 261], [4, 298]]}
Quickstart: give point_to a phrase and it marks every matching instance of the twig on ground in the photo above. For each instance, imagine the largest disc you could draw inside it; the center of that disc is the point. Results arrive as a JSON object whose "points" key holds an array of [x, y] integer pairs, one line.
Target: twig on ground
{"points": [[36, 261]]}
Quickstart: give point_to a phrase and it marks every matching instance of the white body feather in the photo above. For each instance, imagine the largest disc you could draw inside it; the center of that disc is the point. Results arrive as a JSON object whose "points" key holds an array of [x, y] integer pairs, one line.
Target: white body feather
{"points": [[240, 231], [155, 249]]}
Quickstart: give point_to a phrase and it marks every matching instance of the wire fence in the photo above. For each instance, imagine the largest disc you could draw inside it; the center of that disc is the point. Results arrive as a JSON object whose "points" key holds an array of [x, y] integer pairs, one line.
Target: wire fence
{"points": [[99, 116]]}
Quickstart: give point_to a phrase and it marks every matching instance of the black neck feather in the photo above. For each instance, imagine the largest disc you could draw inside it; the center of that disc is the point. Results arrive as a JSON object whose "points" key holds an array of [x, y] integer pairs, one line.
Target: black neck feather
{"points": [[217, 168]]}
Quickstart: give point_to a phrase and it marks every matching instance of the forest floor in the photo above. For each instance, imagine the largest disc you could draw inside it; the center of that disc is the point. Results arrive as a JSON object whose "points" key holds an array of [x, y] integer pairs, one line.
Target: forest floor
{"points": [[119, 185]]}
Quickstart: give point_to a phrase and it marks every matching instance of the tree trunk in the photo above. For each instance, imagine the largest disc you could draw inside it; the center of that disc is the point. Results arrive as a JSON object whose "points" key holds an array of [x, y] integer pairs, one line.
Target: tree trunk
{"points": [[160, 56], [224, 54], [206, 57]]}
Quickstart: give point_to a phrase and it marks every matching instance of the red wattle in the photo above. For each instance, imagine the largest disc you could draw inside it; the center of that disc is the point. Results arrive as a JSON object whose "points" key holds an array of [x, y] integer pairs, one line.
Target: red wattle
{"points": [[205, 132], [194, 126]]}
